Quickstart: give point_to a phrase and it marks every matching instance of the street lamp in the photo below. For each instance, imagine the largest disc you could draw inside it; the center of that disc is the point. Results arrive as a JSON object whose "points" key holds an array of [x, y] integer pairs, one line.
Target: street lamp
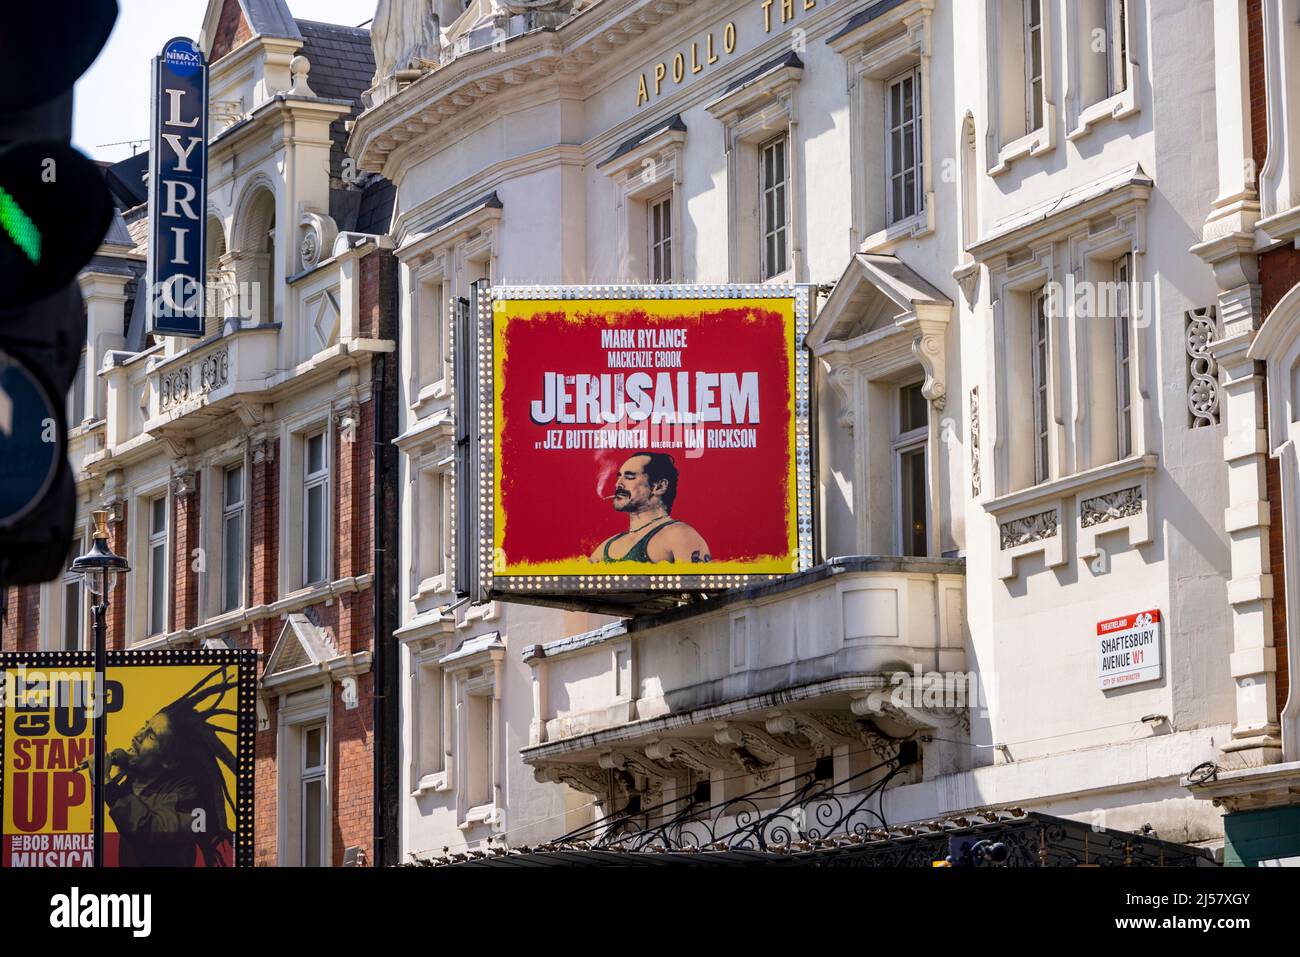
{"points": [[99, 568]]}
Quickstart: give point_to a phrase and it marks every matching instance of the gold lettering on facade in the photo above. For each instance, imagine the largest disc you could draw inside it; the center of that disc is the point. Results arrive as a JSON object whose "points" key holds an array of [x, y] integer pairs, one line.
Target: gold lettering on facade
{"points": [[730, 41]]}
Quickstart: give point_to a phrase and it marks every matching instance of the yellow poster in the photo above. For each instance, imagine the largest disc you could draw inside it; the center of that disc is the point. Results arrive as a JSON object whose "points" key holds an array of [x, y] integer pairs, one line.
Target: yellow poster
{"points": [[177, 724]]}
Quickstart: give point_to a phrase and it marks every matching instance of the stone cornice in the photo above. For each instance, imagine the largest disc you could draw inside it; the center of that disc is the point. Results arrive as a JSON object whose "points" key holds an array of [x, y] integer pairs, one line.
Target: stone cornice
{"points": [[284, 106], [571, 54], [1057, 217]]}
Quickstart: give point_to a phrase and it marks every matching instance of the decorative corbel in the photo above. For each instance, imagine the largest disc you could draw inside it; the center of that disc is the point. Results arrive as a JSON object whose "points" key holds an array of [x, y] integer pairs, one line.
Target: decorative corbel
{"points": [[638, 763], [175, 446], [116, 510], [756, 741], [968, 279], [263, 448], [580, 777], [823, 728], [251, 414], [843, 379], [316, 239], [928, 347], [184, 481], [702, 756]]}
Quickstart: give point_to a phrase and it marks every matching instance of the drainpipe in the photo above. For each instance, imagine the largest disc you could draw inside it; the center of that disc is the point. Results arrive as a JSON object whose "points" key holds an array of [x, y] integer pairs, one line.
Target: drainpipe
{"points": [[384, 666]]}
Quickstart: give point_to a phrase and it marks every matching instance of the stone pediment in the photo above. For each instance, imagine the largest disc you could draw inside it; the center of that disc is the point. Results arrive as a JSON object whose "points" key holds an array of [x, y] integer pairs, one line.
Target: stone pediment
{"points": [[883, 316], [301, 645], [876, 294]]}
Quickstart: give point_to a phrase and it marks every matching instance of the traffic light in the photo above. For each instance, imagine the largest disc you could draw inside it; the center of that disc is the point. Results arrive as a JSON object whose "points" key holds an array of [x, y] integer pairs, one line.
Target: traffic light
{"points": [[54, 211]]}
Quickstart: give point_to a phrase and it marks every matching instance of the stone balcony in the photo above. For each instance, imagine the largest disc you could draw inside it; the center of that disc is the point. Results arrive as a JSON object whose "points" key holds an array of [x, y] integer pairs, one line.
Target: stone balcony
{"points": [[767, 677], [179, 391], [153, 394]]}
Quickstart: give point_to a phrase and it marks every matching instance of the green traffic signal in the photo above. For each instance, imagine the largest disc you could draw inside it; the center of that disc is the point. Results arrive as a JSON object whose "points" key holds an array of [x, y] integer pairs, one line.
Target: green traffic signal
{"points": [[18, 226], [54, 211]]}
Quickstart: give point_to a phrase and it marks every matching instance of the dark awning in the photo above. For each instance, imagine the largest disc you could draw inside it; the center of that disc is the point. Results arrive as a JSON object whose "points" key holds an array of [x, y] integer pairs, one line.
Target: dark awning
{"points": [[1031, 839]]}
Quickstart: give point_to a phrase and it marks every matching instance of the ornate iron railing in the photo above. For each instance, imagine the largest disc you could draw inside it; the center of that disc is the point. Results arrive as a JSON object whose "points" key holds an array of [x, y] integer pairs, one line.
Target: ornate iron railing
{"points": [[796, 812]]}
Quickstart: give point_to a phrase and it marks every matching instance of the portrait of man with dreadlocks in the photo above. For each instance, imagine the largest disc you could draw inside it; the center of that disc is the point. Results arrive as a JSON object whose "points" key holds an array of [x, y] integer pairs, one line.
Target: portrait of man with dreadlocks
{"points": [[168, 794]]}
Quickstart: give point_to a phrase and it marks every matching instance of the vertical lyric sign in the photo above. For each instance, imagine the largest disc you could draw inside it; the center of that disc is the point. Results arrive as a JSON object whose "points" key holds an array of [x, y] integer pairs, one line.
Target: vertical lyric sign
{"points": [[178, 192]]}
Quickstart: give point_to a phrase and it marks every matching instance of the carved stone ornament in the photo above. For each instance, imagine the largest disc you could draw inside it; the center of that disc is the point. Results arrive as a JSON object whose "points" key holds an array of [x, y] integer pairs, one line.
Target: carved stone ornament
{"points": [[516, 7], [968, 277], [1111, 506], [580, 777], [976, 485], [309, 248], [183, 482], [318, 233], [403, 35], [698, 755], [1203, 369], [928, 349], [842, 379], [1030, 528]]}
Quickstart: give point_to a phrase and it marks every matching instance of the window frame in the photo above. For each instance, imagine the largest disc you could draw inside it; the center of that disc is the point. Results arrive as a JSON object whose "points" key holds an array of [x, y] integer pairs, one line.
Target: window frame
{"points": [[71, 579], [239, 511], [877, 53], [308, 775], [1032, 37], [431, 310], [1123, 278], [479, 757], [1021, 118], [156, 539], [904, 445], [1040, 343], [895, 125], [431, 551], [767, 232], [1117, 71], [78, 410], [312, 480], [660, 242]]}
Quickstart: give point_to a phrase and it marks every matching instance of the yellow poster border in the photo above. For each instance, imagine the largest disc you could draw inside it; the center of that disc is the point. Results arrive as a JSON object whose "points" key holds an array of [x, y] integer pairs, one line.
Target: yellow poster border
{"points": [[508, 310]]}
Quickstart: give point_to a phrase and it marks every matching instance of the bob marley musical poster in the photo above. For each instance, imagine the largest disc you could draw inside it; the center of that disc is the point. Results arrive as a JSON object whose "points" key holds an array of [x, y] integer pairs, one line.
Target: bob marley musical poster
{"points": [[652, 433], [177, 789]]}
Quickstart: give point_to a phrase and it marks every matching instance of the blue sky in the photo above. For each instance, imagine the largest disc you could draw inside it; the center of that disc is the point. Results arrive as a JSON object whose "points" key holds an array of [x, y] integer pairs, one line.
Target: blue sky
{"points": [[112, 98]]}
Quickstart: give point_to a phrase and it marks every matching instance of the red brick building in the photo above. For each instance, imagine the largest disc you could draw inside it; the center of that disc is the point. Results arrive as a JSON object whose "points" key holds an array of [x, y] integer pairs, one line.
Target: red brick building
{"points": [[249, 474]]}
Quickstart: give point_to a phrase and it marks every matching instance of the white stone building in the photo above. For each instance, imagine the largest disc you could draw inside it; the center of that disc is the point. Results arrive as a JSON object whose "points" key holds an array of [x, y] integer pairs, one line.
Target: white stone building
{"points": [[1019, 414]]}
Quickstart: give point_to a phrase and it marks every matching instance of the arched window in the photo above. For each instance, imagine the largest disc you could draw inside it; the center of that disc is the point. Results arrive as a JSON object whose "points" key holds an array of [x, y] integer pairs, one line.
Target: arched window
{"points": [[215, 296], [255, 266]]}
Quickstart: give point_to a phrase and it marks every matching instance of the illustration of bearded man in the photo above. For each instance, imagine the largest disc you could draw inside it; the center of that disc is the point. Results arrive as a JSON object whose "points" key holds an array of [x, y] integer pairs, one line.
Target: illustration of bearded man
{"points": [[167, 794], [645, 492]]}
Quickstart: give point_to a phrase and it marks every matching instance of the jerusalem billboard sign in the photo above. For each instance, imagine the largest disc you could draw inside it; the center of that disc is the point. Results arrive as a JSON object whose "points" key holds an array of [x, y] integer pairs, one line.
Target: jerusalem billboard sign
{"points": [[644, 437]]}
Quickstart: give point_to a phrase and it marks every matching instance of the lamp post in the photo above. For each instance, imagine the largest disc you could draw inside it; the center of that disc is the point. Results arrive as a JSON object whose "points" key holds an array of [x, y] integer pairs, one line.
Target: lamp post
{"points": [[99, 569]]}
